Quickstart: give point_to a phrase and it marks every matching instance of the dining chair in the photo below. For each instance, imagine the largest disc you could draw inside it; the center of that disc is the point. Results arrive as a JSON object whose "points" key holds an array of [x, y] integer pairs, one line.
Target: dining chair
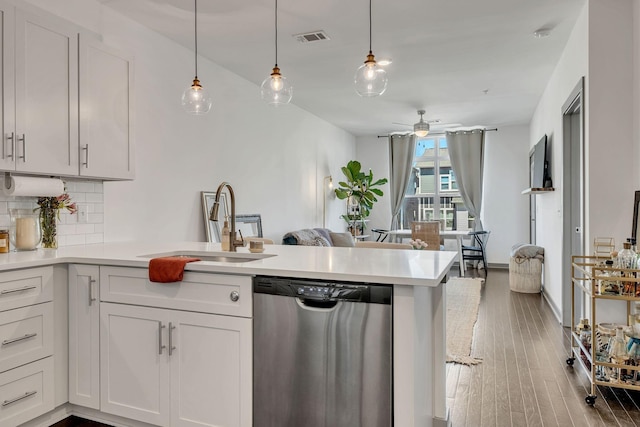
{"points": [[477, 249], [382, 234], [427, 231]]}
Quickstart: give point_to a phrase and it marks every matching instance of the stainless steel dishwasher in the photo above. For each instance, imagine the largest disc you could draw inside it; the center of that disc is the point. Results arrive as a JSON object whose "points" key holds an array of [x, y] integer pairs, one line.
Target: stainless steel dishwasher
{"points": [[322, 354]]}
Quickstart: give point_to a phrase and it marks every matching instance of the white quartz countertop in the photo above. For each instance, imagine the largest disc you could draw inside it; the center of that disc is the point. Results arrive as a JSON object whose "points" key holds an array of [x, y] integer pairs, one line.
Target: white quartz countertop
{"points": [[387, 266]]}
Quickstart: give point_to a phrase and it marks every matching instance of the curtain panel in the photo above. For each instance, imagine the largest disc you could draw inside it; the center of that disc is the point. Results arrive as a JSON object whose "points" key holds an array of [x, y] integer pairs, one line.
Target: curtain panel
{"points": [[466, 151], [401, 150]]}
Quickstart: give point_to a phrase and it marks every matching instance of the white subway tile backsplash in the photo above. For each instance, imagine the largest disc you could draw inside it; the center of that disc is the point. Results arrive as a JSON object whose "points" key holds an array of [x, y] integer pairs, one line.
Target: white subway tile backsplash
{"points": [[78, 197], [85, 229], [94, 238], [93, 197], [70, 232], [75, 239], [84, 187], [96, 218]]}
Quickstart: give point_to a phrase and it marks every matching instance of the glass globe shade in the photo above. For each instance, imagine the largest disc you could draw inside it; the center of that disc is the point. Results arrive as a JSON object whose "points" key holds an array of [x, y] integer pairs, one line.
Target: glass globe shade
{"points": [[276, 90], [196, 100], [370, 80]]}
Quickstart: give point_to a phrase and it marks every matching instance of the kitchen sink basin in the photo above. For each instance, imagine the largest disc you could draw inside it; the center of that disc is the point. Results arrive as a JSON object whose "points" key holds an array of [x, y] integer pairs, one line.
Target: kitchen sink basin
{"points": [[233, 257]]}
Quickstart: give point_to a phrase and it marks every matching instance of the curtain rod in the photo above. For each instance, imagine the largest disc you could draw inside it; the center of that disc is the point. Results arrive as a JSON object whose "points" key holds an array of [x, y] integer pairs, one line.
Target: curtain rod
{"points": [[442, 133]]}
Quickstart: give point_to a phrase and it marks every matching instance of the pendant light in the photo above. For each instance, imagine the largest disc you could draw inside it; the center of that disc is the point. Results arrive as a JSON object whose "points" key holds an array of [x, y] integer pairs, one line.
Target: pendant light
{"points": [[196, 99], [275, 89], [370, 78], [421, 129]]}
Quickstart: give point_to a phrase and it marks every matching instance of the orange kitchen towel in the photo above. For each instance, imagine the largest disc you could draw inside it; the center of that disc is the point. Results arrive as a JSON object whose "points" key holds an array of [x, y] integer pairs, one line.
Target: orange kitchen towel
{"points": [[168, 269]]}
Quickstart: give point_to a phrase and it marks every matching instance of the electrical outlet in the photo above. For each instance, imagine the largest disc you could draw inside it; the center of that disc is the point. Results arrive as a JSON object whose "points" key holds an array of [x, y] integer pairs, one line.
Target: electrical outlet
{"points": [[83, 214]]}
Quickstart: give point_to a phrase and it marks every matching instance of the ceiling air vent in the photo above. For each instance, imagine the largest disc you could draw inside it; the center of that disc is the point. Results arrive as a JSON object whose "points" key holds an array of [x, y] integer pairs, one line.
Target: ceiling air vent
{"points": [[314, 36]]}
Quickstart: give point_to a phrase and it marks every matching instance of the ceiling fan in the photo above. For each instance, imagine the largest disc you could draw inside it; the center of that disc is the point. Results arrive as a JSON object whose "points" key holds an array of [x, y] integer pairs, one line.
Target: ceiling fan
{"points": [[423, 127]]}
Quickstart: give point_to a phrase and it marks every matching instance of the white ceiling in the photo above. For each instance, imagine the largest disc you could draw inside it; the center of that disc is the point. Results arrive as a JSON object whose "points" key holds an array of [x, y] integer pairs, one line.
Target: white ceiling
{"points": [[446, 53]]}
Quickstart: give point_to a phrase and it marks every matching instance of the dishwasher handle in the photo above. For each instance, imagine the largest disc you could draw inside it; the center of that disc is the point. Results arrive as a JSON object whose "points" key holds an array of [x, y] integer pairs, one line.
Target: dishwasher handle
{"points": [[317, 303]]}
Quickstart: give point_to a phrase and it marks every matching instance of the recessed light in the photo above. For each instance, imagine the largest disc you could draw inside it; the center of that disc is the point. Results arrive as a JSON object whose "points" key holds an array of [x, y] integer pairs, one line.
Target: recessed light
{"points": [[542, 33], [384, 62]]}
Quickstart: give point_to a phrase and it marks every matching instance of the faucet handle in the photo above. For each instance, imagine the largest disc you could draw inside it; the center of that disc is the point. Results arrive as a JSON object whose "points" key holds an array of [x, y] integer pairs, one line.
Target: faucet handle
{"points": [[240, 242]]}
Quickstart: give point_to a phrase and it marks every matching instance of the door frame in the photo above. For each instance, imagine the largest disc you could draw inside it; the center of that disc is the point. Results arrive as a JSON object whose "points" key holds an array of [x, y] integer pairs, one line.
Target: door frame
{"points": [[573, 194]]}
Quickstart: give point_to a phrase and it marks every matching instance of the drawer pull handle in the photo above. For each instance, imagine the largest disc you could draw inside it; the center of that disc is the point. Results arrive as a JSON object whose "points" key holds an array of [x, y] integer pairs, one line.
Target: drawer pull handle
{"points": [[24, 148], [171, 346], [160, 345], [234, 296], [19, 398], [86, 161], [91, 298], [10, 156], [14, 340], [10, 291]]}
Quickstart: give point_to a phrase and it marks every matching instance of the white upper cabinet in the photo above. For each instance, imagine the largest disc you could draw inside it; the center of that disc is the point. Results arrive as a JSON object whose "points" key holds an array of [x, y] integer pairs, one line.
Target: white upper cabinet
{"points": [[46, 88], [8, 113], [106, 149], [66, 105]]}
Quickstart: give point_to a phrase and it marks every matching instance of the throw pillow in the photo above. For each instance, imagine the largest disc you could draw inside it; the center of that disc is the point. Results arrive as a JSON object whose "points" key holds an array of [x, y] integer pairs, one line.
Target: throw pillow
{"points": [[342, 239]]}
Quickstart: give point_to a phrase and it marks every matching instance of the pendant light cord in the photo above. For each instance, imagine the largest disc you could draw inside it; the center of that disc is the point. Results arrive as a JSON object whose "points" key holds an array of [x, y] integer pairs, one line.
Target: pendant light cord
{"points": [[276, 13], [370, 50], [195, 32]]}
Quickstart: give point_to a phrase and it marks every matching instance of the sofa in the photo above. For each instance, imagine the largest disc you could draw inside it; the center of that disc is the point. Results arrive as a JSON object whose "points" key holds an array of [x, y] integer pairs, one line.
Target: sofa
{"points": [[326, 237]]}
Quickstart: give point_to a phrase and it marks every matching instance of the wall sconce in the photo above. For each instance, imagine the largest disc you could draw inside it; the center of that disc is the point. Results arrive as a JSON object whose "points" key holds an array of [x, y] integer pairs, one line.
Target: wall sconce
{"points": [[324, 198]]}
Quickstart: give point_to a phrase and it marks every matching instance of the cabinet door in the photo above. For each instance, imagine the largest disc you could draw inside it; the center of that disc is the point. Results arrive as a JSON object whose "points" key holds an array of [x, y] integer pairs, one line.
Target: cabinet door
{"points": [[84, 336], [7, 116], [106, 149], [46, 68], [134, 371], [211, 370]]}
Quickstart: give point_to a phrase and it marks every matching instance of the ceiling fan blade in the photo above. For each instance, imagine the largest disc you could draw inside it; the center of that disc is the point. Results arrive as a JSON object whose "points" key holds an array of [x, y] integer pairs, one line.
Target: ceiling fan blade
{"points": [[401, 124], [445, 125]]}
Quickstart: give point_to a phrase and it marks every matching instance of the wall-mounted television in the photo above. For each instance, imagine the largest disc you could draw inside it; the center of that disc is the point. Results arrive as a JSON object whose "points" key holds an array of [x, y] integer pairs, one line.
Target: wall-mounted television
{"points": [[540, 177]]}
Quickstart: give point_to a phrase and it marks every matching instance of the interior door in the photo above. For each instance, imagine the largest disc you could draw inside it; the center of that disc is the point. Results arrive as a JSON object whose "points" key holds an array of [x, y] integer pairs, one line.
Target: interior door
{"points": [[573, 197]]}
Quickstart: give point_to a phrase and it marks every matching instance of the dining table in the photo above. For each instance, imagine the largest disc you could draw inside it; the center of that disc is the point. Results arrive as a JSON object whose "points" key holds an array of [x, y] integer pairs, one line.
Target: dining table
{"points": [[398, 235]]}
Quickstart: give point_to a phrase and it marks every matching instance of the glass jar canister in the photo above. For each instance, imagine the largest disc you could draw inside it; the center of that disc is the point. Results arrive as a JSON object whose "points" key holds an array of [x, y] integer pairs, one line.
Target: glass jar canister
{"points": [[626, 257], [24, 231], [4, 241]]}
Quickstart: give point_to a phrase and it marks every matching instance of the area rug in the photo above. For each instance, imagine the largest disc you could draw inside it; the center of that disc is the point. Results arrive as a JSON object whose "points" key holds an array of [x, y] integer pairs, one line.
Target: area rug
{"points": [[463, 300]]}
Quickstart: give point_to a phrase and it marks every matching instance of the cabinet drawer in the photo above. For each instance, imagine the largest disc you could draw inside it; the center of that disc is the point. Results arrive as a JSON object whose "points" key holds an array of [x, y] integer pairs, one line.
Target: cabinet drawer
{"points": [[26, 334], [20, 288], [202, 292], [26, 392]]}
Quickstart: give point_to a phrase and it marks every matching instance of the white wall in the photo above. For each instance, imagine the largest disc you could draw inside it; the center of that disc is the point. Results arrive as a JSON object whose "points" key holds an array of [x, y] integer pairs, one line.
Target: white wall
{"points": [[601, 49], [506, 174], [373, 153], [275, 159], [547, 119]]}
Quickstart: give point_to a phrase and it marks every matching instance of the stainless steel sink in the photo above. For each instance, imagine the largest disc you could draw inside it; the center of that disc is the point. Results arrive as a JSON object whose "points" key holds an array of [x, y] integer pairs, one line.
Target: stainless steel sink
{"points": [[233, 257]]}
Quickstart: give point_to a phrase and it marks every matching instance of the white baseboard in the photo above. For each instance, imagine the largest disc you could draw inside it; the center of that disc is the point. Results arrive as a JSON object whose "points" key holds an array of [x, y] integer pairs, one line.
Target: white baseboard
{"points": [[556, 312]]}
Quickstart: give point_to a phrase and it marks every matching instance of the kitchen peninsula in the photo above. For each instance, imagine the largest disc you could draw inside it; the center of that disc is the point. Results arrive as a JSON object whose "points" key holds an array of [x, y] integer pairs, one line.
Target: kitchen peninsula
{"points": [[94, 283]]}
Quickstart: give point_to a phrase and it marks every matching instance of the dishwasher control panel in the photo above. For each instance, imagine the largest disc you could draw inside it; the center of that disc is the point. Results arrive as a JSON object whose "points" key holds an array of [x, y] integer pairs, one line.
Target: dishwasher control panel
{"points": [[320, 290]]}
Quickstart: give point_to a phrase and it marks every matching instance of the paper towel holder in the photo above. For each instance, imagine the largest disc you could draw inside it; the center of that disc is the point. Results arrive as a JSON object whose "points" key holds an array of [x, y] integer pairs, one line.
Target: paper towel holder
{"points": [[8, 180]]}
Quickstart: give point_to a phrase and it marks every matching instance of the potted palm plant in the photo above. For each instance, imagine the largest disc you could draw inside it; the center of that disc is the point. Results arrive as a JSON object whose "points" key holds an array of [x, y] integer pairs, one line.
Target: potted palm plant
{"points": [[359, 190]]}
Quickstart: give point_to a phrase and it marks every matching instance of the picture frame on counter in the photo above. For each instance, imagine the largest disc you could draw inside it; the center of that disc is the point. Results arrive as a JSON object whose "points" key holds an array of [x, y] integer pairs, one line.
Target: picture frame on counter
{"points": [[212, 228]]}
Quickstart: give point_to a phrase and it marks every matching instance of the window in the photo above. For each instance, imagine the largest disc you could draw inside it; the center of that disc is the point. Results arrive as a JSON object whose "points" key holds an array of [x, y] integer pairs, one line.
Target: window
{"points": [[433, 193]]}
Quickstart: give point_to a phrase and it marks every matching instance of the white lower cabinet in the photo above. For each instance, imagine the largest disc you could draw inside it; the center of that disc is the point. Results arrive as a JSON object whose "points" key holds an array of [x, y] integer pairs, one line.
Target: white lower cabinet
{"points": [[84, 338], [175, 368], [26, 392]]}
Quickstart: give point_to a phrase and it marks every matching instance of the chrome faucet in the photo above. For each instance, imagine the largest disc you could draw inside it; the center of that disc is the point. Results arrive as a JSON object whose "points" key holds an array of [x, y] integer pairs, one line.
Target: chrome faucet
{"points": [[232, 227]]}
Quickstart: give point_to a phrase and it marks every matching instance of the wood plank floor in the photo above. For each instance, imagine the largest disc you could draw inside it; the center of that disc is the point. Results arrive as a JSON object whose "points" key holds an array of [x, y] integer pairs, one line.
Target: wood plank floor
{"points": [[524, 379]]}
